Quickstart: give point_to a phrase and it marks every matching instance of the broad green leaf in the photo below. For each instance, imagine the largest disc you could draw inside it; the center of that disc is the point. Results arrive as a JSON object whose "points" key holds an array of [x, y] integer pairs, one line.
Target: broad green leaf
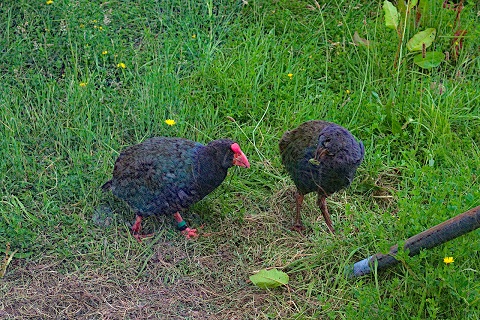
{"points": [[423, 37], [391, 15], [431, 60], [269, 278]]}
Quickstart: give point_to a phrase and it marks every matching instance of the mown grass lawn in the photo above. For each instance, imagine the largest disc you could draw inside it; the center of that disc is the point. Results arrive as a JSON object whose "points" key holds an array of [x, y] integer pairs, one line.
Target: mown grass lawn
{"points": [[80, 81]]}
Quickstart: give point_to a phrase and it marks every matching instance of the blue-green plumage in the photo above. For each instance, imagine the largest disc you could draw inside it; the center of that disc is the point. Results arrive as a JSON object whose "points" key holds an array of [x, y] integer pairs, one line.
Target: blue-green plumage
{"points": [[165, 175], [320, 157]]}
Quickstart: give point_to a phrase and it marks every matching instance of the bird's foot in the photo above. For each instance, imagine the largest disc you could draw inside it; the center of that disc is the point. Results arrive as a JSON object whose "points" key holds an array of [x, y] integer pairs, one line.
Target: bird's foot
{"points": [[139, 237], [190, 233], [137, 226], [298, 227]]}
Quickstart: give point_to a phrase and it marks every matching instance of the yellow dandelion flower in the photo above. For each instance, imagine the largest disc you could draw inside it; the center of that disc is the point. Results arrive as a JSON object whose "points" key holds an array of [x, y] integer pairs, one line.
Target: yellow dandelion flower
{"points": [[104, 52], [121, 65], [49, 2], [290, 75], [448, 260], [83, 84], [347, 91], [194, 36], [100, 28], [170, 122]]}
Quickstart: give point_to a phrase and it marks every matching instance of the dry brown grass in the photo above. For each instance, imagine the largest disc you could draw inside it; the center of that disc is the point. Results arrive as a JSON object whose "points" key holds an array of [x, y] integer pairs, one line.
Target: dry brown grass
{"points": [[39, 290], [175, 279], [168, 277], [36, 290]]}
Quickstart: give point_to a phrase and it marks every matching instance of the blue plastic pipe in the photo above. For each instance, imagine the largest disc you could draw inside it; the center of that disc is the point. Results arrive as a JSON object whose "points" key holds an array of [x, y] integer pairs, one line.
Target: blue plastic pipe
{"points": [[446, 231]]}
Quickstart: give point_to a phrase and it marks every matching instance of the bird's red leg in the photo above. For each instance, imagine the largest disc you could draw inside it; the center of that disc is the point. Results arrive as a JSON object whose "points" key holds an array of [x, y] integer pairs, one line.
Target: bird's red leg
{"points": [[182, 226], [137, 226], [322, 203], [298, 226]]}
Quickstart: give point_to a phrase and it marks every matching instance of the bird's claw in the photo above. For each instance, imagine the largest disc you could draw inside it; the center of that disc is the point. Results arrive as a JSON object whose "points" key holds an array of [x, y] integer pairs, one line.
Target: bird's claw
{"points": [[190, 233], [139, 237], [298, 227]]}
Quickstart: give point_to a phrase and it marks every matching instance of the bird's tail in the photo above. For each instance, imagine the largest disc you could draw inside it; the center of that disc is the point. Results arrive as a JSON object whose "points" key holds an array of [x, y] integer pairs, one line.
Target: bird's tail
{"points": [[107, 186]]}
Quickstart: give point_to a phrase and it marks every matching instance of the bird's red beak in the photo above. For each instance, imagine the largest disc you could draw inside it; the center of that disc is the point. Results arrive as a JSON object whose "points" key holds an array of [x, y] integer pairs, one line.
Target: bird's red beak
{"points": [[239, 158]]}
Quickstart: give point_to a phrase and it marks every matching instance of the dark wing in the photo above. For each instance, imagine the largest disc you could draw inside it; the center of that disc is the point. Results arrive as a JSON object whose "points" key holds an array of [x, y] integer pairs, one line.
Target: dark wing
{"points": [[298, 148], [156, 176], [295, 143]]}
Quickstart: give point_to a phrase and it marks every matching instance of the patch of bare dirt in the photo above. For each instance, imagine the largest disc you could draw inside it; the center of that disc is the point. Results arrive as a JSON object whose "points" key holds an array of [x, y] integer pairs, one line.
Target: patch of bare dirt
{"points": [[39, 291], [49, 294]]}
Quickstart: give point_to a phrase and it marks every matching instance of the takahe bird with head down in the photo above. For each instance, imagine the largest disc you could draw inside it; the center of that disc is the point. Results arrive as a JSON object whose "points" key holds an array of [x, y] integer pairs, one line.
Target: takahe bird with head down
{"points": [[166, 175], [320, 157]]}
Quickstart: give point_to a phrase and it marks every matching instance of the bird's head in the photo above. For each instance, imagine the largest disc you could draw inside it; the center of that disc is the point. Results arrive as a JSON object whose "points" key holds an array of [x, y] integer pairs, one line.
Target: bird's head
{"points": [[332, 140], [229, 153]]}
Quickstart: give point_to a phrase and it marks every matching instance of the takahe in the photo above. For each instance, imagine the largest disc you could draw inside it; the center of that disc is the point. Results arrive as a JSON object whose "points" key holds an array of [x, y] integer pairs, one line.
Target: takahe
{"points": [[320, 157], [166, 175]]}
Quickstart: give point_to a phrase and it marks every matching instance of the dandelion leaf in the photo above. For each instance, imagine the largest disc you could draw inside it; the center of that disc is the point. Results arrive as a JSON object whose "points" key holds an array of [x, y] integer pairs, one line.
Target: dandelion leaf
{"points": [[423, 37], [269, 278], [391, 15], [431, 59]]}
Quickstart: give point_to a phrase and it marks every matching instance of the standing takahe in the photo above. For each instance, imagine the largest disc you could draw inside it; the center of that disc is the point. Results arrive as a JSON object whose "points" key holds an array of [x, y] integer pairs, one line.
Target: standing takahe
{"points": [[320, 157], [166, 175]]}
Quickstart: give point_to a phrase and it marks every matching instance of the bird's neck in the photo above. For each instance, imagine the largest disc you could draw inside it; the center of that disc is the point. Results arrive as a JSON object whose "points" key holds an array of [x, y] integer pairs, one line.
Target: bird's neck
{"points": [[210, 172]]}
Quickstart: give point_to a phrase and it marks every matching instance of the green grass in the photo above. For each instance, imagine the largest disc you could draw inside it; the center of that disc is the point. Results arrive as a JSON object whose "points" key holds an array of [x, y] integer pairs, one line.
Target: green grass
{"points": [[203, 63]]}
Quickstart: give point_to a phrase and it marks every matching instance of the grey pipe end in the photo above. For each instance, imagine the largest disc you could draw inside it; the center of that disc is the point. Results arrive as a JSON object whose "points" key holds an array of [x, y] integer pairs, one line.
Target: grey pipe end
{"points": [[362, 267]]}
